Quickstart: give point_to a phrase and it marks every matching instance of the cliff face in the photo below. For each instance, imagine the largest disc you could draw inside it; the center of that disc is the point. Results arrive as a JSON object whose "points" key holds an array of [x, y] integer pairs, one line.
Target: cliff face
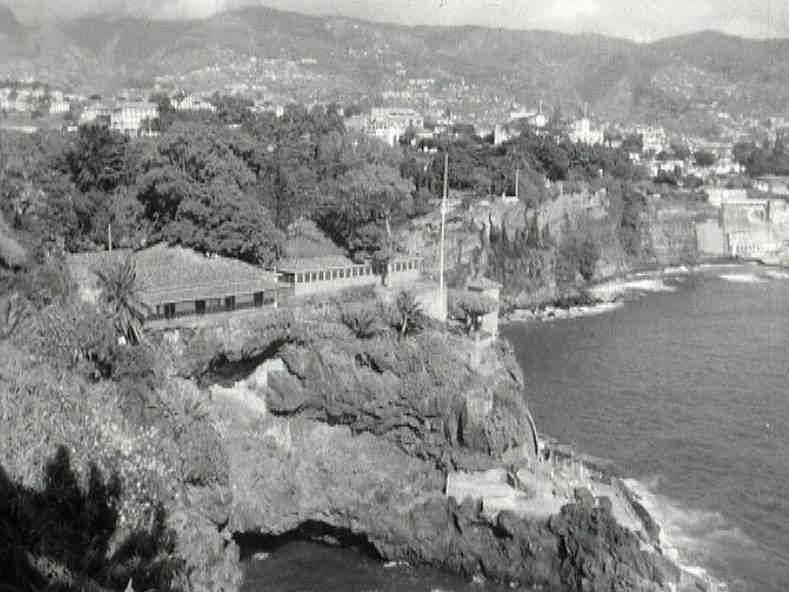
{"points": [[329, 435], [539, 254]]}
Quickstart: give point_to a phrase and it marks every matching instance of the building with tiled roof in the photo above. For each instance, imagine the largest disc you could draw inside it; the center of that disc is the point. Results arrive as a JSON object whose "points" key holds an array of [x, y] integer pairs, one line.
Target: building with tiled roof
{"points": [[174, 282]]}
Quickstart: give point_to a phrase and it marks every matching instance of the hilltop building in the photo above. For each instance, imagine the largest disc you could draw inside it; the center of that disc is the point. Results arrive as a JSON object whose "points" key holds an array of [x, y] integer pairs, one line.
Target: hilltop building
{"points": [[654, 139], [772, 184], [127, 117], [387, 124], [717, 196], [192, 103]]}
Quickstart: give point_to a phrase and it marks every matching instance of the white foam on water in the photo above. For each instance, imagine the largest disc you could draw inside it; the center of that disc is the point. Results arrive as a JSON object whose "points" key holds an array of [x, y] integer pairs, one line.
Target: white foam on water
{"points": [[614, 288], [688, 537], [742, 278], [777, 275]]}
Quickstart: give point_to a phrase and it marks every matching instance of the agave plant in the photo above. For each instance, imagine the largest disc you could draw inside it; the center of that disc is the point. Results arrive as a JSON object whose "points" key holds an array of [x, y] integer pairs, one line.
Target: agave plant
{"points": [[409, 316], [119, 284], [361, 318]]}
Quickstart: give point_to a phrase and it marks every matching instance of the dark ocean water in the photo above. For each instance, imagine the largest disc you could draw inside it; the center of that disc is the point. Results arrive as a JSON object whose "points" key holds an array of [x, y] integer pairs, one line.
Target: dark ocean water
{"points": [[686, 391]]}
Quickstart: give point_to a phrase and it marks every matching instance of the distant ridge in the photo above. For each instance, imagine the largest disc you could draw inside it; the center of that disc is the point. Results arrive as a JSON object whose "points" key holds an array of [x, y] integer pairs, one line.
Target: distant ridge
{"points": [[666, 81], [9, 24]]}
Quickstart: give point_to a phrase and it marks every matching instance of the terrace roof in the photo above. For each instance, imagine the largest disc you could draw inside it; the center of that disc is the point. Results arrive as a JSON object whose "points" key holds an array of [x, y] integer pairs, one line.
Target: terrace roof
{"points": [[303, 264], [175, 274]]}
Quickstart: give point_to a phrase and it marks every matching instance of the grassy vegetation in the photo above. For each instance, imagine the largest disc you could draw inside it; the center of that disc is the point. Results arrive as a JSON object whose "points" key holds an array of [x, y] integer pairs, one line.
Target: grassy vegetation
{"points": [[68, 388]]}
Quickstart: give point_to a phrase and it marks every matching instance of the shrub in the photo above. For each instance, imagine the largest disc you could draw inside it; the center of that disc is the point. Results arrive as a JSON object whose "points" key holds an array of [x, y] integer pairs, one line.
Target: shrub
{"points": [[469, 308], [14, 314], [406, 315], [362, 318], [74, 333], [134, 372], [60, 537], [45, 283]]}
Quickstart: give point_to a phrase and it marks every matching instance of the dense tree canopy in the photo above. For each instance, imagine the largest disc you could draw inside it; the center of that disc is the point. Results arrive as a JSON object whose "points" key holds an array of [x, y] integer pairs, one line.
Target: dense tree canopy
{"points": [[234, 181], [764, 159]]}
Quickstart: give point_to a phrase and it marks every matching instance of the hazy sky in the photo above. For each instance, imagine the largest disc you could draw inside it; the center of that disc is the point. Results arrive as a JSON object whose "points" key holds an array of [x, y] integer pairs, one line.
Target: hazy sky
{"points": [[641, 20]]}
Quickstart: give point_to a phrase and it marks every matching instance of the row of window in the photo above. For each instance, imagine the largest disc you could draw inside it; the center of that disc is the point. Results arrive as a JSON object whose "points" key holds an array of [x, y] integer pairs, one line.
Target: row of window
{"points": [[348, 272], [217, 304], [405, 265], [333, 274]]}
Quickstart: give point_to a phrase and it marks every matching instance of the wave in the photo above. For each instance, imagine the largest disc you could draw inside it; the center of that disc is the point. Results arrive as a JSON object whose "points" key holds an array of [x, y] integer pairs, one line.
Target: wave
{"points": [[691, 538], [777, 275], [610, 290], [742, 278]]}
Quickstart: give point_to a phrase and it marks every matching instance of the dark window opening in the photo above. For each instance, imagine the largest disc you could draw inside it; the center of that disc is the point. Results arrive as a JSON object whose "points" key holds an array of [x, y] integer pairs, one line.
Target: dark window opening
{"points": [[230, 303], [200, 307]]}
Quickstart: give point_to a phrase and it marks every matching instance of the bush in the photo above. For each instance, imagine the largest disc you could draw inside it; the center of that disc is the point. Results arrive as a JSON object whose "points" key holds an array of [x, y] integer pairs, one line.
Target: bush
{"points": [[59, 538], [405, 315], [362, 318], [469, 308], [44, 283], [74, 334], [134, 372], [14, 314]]}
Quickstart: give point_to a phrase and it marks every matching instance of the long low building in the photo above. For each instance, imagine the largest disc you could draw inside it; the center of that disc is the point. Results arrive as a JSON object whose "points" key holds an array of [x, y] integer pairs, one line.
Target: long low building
{"points": [[176, 283], [324, 275]]}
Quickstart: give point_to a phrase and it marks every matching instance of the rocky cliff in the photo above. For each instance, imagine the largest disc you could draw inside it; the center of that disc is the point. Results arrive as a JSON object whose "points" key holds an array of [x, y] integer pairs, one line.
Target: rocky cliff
{"points": [[333, 437], [553, 251]]}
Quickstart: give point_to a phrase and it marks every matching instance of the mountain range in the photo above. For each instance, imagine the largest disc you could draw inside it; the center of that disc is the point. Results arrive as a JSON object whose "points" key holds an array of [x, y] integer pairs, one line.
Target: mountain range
{"points": [[680, 80]]}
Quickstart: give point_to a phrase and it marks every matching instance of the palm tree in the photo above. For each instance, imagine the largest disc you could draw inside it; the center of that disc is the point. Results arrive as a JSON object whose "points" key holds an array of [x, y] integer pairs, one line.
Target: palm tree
{"points": [[119, 283]]}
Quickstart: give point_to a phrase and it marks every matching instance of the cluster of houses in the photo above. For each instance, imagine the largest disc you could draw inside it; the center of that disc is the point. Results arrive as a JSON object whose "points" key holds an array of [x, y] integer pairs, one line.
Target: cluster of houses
{"points": [[751, 224], [35, 97], [178, 286]]}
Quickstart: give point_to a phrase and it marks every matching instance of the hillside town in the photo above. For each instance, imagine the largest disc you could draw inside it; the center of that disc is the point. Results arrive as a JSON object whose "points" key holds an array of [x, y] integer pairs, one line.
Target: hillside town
{"points": [[276, 289]]}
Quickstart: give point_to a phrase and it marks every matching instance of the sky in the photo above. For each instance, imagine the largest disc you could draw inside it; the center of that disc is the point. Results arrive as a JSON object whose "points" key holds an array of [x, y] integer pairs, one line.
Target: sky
{"points": [[639, 20]]}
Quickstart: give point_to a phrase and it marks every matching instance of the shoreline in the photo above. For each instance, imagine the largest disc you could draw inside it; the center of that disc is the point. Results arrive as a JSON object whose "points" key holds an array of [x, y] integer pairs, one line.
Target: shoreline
{"points": [[641, 509], [607, 295], [612, 293]]}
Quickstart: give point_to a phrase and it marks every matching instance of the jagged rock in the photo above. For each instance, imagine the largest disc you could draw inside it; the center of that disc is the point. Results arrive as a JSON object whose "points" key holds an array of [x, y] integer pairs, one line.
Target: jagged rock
{"points": [[421, 394], [358, 435], [596, 553]]}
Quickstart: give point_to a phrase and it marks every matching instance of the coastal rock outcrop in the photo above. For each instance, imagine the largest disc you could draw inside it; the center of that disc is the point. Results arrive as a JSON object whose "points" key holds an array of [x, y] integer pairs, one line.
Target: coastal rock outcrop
{"points": [[348, 437], [423, 395]]}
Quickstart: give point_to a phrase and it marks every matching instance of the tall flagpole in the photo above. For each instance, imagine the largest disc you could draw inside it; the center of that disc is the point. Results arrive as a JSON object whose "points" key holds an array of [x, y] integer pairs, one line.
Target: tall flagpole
{"points": [[443, 217]]}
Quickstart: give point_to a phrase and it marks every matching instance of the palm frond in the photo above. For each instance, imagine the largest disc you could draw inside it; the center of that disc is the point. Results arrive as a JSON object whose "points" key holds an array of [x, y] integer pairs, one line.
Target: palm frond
{"points": [[119, 284]]}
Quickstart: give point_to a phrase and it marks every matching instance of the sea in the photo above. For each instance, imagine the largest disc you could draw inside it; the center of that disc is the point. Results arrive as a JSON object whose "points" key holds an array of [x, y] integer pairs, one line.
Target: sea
{"points": [[685, 390]]}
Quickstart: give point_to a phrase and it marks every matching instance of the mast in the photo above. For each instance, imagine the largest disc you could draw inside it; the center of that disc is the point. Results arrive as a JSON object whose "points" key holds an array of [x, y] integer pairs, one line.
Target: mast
{"points": [[443, 217]]}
